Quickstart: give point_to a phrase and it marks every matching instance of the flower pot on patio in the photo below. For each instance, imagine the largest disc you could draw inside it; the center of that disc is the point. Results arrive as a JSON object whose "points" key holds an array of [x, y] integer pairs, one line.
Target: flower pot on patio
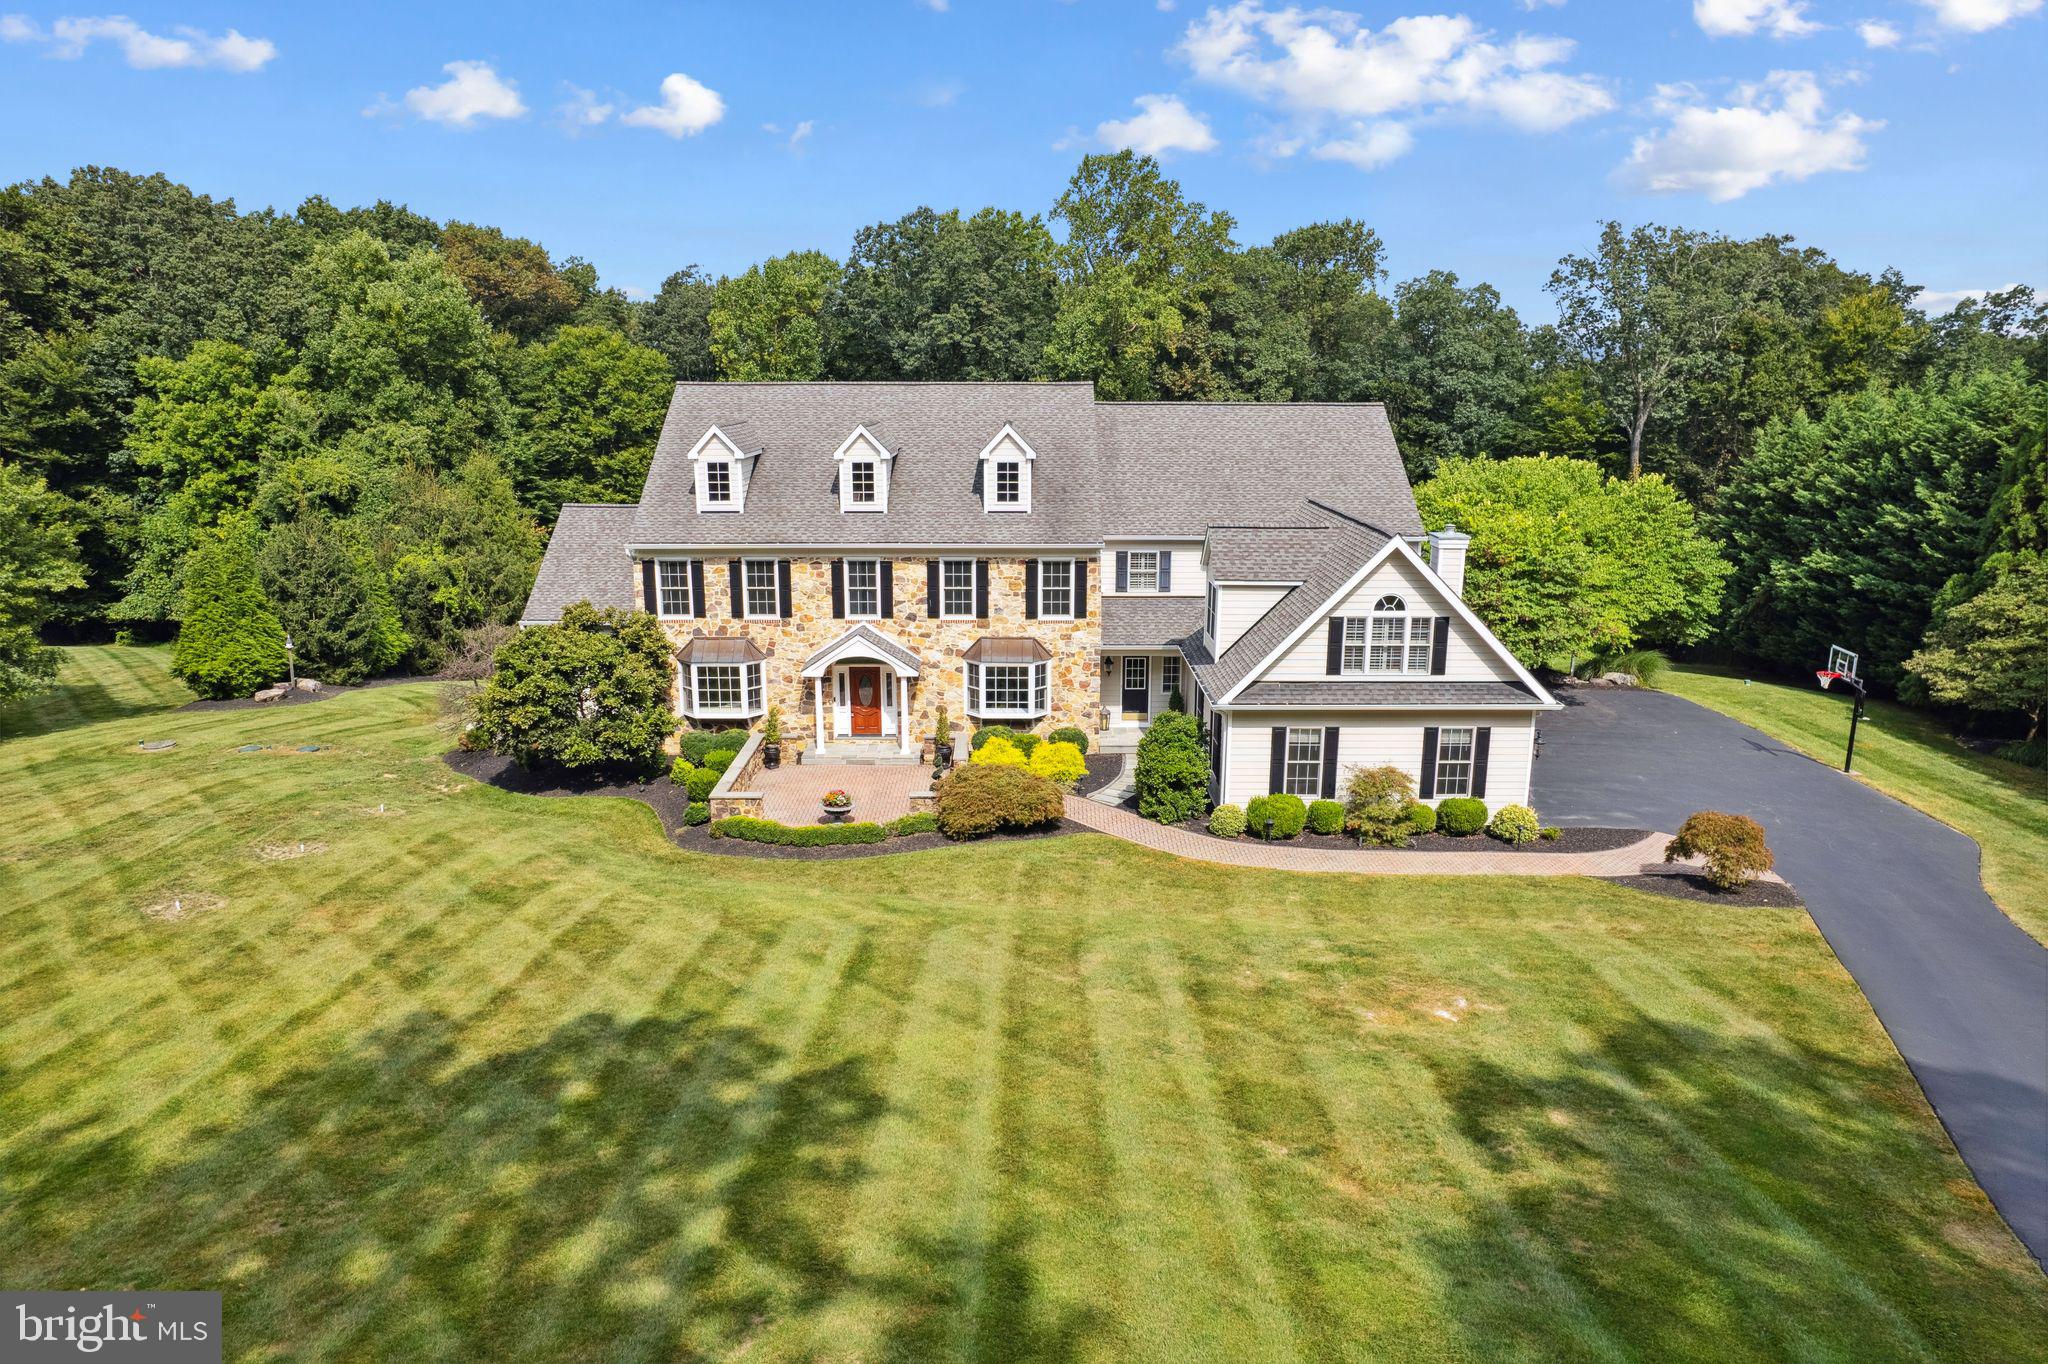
{"points": [[835, 807]]}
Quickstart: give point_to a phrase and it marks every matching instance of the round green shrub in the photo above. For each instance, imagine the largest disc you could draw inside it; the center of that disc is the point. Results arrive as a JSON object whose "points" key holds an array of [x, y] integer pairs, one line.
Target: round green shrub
{"points": [[1226, 821], [1514, 824], [987, 732], [1067, 734], [1461, 815], [981, 798], [695, 744], [731, 740], [698, 813], [1733, 846], [679, 771], [699, 783], [1325, 817], [1288, 813], [1418, 818], [718, 759]]}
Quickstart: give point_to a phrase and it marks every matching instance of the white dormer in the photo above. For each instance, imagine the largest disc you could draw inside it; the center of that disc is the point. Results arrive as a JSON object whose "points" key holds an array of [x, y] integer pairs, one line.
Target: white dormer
{"points": [[863, 464], [1006, 472], [720, 469]]}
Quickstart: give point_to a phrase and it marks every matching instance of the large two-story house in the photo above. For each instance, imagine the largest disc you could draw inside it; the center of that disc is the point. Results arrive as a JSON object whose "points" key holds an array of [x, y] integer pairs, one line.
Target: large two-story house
{"points": [[861, 554]]}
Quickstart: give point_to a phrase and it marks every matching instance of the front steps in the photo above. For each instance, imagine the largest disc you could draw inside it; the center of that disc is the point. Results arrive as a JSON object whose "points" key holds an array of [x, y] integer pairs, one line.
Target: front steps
{"points": [[864, 753]]}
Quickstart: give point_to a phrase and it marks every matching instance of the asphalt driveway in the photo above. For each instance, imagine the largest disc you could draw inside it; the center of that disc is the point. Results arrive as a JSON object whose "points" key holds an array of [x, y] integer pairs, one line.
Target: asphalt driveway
{"points": [[1963, 992]]}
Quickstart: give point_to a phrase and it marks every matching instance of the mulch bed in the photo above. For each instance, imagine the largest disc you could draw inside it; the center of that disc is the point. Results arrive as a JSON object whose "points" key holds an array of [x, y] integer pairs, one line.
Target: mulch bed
{"points": [[1103, 768], [1694, 887], [296, 697], [1568, 840], [671, 803]]}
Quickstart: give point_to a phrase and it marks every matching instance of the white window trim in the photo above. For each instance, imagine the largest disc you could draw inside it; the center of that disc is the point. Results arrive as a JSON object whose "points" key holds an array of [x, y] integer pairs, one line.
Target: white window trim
{"points": [[660, 607], [717, 448], [1211, 609], [972, 575], [1024, 458], [1469, 762], [846, 589], [1170, 676], [861, 447], [1131, 571], [752, 692], [1407, 644], [1072, 577], [747, 611], [1289, 762], [1038, 678]]}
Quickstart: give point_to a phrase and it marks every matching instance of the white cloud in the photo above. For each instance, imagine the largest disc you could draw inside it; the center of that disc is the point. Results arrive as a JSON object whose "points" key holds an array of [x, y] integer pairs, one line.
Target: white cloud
{"points": [[1977, 16], [145, 51], [1533, 5], [1775, 129], [1372, 148], [687, 108], [472, 91], [936, 6], [1935, 302], [582, 110], [1739, 18], [1162, 124], [1328, 66], [1878, 33], [799, 135]]}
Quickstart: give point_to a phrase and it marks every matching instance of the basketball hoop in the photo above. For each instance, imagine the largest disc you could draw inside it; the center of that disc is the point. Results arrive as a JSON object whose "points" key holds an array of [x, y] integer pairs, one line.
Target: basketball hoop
{"points": [[1842, 665], [1825, 677]]}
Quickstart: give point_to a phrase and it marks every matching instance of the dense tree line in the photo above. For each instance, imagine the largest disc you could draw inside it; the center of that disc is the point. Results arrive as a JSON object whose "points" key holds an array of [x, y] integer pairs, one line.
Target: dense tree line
{"points": [[372, 417]]}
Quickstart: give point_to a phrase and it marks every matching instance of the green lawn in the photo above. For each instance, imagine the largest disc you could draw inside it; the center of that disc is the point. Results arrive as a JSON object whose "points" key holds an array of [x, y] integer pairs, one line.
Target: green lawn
{"points": [[1911, 758], [500, 1078]]}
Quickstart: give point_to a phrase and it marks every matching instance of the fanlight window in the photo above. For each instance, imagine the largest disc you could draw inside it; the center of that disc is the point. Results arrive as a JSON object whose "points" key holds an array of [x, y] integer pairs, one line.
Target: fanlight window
{"points": [[1398, 642]]}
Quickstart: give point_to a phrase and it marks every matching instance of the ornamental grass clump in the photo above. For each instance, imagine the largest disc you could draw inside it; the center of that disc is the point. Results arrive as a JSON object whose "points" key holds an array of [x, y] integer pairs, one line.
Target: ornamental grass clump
{"points": [[1733, 846], [1377, 805]]}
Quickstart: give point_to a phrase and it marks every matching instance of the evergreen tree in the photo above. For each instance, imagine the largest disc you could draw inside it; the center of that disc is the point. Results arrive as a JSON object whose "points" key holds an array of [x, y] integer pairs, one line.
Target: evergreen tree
{"points": [[230, 642], [330, 599], [589, 693]]}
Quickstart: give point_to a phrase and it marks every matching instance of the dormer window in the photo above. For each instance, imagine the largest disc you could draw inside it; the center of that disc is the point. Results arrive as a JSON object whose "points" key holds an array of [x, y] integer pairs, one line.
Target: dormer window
{"points": [[718, 482], [863, 463], [721, 470], [1006, 473]]}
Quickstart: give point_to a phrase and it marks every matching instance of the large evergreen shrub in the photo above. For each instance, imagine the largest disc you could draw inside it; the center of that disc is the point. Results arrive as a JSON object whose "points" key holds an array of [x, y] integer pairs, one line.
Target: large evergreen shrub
{"points": [[589, 693], [1172, 776], [331, 599], [230, 642]]}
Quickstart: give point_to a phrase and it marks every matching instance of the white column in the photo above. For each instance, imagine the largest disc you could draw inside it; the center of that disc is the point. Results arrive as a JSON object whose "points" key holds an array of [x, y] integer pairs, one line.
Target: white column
{"points": [[902, 714], [818, 700]]}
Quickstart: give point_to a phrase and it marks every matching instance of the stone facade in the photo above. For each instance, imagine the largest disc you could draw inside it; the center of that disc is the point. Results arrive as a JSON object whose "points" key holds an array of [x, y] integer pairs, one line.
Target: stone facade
{"points": [[1073, 678]]}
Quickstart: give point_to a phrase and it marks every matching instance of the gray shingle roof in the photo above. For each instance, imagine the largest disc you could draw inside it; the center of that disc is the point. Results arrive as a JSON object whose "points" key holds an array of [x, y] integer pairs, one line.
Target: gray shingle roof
{"points": [[1177, 468], [867, 636], [1268, 553], [586, 560], [1146, 622], [1347, 547], [934, 431], [1419, 692]]}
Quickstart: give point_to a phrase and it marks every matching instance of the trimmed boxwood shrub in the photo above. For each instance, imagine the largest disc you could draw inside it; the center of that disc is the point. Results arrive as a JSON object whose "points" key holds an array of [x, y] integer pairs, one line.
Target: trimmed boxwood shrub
{"points": [[1067, 734], [987, 732], [1514, 824], [979, 799], [679, 771], [699, 744], [751, 830], [916, 822], [718, 759], [1325, 817], [1060, 763], [997, 752], [1732, 844], [700, 781], [1461, 815], [1419, 818], [1172, 776], [1226, 821], [698, 813], [1288, 813]]}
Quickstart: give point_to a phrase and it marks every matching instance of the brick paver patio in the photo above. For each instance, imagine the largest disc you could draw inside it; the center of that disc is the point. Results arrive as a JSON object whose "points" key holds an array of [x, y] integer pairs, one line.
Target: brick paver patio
{"points": [[790, 793]]}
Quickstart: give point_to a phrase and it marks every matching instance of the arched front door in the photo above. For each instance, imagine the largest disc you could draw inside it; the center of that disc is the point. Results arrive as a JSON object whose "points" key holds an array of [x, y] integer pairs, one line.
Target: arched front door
{"points": [[864, 696]]}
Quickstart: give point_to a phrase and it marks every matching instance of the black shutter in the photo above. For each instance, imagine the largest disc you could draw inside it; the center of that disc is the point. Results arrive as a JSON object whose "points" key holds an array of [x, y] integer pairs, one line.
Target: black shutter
{"points": [[1277, 777], [1336, 645], [839, 589], [1330, 762], [1123, 570], [782, 588], [1031, 589], [1080, 589], [697, 588], [887, 569], [1166, 570], [1439, 646], [739, 599], [1481, 742], [1427, 791], [931, 588], [981, 589], [647, 595]]}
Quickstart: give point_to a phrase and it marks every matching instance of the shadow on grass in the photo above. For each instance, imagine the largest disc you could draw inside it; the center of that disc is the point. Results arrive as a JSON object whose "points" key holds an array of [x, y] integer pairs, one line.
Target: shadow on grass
{"points": [[72, 703], [1680, 1194], [658, 1188]]}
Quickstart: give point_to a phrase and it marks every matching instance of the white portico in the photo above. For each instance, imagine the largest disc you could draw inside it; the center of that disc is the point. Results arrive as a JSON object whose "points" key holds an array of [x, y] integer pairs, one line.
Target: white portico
{"points": [[862, 687]]}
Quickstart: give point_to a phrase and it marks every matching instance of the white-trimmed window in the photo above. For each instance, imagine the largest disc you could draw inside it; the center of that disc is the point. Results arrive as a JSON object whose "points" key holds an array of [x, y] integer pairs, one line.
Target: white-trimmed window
{"points": [[1454, 762], [956, 589], [1355, 628], [1209, 613], [1006, 472], [763, 589], [1136, 666], [672, 586], [1009, 482], [863, 589], [718, 482], [1169, 674], [1056, 589], [1143, 572], [1398, 642], [862, 484], [1007, 689], [1303, 774], [722, 689]]}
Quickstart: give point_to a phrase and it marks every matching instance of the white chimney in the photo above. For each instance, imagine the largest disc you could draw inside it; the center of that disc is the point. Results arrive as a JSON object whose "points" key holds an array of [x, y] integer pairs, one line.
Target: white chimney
{"points": [[1447, 557]]}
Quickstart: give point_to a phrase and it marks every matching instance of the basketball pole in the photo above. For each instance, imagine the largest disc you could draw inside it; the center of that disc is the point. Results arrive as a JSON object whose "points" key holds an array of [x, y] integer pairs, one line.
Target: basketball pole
{"points": [[1855, 714]]}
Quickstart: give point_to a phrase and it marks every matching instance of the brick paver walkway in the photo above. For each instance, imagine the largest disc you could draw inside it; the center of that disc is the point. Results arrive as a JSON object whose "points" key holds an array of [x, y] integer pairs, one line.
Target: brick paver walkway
{"points": [[1481, 861], [790, 793]]}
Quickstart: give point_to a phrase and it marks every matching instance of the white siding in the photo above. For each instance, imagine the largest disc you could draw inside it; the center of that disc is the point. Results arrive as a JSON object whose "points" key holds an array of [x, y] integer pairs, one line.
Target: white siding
{"points": [[1465, 660], [1186, 574], [1238, 609], [1391, 740], [1113, 682]]}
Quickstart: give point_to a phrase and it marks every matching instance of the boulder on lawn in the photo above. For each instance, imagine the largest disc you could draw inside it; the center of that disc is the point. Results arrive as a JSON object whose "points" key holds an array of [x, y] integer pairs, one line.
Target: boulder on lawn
{"points": [[1618, 679], [308, 684], [272, 693]]}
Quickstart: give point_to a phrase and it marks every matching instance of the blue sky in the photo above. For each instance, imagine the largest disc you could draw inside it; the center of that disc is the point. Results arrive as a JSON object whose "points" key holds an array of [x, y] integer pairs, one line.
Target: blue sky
{"points": [[1486, 138]]}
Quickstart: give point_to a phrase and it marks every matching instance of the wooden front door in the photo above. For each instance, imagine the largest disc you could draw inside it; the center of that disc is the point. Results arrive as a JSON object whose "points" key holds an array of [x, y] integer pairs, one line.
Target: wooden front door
{"points": [[864, 692]]}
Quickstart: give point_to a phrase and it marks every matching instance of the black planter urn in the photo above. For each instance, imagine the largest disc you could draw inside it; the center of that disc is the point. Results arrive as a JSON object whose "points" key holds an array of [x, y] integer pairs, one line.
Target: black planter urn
{"points": [[771, 755]]}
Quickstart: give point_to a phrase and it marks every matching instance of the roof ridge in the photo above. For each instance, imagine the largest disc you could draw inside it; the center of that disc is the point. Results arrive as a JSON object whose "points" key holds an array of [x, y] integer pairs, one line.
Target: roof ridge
{"points": [[1354, 520]]}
